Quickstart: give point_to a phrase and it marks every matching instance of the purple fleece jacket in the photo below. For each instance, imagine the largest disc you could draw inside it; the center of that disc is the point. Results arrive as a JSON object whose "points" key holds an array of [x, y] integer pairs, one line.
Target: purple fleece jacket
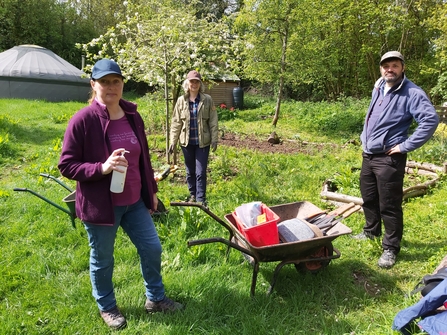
{"points": [[86, 147]]}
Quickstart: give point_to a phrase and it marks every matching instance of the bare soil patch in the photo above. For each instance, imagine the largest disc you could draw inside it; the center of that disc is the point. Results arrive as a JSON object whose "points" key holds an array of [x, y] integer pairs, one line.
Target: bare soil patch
{"points": [[262, 145], [373, 289]]}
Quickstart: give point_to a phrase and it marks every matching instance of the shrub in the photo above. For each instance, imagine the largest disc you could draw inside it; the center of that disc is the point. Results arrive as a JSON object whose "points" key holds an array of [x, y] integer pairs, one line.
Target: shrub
{"points": [[225, 114]]}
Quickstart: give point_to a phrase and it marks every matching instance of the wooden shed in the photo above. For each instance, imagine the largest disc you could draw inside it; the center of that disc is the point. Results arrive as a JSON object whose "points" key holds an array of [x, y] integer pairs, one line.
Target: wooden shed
{"points": [[221, 89]]}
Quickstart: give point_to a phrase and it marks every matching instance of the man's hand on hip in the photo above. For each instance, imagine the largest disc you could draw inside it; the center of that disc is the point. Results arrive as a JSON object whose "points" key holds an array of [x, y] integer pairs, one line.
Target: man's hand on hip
{"points": [[394, 150]]}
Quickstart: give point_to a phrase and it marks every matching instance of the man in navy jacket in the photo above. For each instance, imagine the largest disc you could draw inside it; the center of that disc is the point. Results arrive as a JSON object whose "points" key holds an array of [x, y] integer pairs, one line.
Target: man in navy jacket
{"points": [[395, 103]]}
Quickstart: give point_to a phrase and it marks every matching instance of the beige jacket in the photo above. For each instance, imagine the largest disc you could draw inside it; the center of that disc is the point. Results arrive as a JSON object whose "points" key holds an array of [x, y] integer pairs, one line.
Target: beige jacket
{"points": [[206, 121]]}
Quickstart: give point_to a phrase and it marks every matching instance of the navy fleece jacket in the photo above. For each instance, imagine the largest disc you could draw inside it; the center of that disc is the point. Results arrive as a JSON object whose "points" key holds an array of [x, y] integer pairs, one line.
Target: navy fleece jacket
{"points": [[406, 103]]}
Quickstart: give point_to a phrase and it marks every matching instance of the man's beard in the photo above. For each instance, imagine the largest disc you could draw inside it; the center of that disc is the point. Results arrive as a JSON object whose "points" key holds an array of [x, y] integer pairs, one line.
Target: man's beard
{"points": [[394, 79]]}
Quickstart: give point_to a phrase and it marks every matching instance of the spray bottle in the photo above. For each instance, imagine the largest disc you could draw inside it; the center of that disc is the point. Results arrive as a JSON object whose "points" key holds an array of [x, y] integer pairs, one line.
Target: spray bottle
{"points": [[119, 178]]}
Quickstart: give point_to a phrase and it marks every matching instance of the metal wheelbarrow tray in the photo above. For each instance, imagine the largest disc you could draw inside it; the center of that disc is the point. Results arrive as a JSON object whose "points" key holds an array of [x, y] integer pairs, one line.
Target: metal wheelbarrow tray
{"points": [[312, 254]]}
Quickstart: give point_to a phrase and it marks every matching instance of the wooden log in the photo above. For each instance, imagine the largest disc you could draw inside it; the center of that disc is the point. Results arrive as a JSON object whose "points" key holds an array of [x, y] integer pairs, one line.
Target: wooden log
{"points": [[409, 170], [273, 138], [414, 194], [425, 169], [425, 166], [341, 197], [423, 186]]}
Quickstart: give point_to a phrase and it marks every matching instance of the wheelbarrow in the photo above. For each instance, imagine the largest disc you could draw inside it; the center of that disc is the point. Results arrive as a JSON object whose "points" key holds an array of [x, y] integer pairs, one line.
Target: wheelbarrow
{"points": [[70, 199], [311, 254]]}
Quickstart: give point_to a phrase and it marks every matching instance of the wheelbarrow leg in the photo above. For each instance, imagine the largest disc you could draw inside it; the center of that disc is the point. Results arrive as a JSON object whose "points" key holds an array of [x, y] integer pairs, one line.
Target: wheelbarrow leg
{"points": [[275, 275], [227, 254], [327, 259], [254, 278]]}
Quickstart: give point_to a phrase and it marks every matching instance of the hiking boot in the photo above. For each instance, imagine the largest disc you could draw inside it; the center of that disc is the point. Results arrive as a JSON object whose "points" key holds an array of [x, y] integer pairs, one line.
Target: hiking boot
{"points": [[113, 318], [364, 235], [191, 198], [165, 305], [387, 259]]}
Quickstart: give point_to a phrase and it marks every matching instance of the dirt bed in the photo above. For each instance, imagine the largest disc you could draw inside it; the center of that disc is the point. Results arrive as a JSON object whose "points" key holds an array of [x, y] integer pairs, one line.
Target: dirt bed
{"points": [[262, 145]]}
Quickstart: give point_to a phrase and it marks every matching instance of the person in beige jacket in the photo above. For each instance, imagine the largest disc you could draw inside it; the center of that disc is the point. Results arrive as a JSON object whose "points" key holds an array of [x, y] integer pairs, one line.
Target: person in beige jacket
{"points": [[194, 125]]}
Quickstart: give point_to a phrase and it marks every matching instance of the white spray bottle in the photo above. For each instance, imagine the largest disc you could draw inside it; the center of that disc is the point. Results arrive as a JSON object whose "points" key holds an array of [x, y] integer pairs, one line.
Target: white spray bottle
{"points": [[119, 178]]}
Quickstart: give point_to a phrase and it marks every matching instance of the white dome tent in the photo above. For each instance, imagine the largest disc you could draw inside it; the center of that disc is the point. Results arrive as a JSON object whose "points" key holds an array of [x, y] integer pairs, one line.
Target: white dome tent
{"points": [[33, 72]]}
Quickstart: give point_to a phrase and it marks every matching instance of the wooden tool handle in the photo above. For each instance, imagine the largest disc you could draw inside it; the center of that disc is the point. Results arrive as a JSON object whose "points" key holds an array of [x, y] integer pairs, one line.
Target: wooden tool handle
{"points": [[351, 211], [342, 209], [312, 216]]}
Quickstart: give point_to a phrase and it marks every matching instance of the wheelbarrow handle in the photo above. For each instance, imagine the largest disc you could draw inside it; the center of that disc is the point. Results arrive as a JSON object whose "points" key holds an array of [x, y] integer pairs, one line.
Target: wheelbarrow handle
{"points": [[46, 175], [224, 241], [45, 199], [206, 210]]}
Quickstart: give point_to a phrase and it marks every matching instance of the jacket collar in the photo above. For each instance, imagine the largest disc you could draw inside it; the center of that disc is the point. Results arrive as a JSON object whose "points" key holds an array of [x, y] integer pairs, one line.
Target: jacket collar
{"points": [[381, 82], [128, 107], [186, 96]]}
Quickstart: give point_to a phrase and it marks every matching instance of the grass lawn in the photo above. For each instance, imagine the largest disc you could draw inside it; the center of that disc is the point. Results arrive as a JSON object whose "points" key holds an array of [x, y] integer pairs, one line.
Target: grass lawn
{"points": [[44, 278]]}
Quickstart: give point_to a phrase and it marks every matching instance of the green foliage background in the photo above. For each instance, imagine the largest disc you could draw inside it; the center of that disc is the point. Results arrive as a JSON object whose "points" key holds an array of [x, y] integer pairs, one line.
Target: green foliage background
{"points": [[313, 50]]}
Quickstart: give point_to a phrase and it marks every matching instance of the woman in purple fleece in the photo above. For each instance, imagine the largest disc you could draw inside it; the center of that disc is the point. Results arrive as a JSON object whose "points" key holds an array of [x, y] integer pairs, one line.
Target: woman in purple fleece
{"points": [[94, 142]]}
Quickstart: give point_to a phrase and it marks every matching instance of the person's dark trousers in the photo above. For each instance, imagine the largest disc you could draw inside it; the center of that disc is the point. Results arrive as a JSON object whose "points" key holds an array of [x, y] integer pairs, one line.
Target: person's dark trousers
{"points": [[196, 162], [381, 185]]}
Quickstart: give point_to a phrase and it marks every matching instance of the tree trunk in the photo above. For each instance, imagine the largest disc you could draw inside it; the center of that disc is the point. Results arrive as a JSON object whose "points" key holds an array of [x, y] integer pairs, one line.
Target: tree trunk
{"points": [[281, 77], [167, 114]]}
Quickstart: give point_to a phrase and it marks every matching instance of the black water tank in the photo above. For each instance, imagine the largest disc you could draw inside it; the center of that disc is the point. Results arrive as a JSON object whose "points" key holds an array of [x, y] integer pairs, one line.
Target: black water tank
{"points": [[238, 97]]}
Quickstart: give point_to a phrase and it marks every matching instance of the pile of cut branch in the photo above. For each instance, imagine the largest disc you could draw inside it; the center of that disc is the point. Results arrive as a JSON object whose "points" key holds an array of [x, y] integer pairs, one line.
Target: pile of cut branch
{"points": [[431, 171]]}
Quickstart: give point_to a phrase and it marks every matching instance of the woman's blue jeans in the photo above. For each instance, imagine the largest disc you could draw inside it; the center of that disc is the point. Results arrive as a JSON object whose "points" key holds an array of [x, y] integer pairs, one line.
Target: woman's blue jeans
{"points": [[139, 226]]}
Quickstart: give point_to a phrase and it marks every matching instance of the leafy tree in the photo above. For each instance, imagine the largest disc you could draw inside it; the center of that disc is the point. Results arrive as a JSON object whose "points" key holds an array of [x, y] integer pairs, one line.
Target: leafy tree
{"points": [[215, 9], [49, 23], [265, 28], [305, 49], [26, 22], [56, 25], [99, 15], [329, 49], [158, 43], [439, 69]]}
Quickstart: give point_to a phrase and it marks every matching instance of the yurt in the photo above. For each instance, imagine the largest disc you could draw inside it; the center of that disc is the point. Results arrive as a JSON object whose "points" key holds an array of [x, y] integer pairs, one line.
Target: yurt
{"points": [[33, 72]]}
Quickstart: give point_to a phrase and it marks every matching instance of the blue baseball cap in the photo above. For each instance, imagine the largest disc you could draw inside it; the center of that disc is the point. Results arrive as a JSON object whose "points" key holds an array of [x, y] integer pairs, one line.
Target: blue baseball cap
{"points": [[104, 67]]}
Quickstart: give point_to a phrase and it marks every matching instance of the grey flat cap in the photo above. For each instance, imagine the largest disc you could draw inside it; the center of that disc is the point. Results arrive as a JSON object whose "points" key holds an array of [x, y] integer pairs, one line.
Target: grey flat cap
{"points": [[392, 54]]}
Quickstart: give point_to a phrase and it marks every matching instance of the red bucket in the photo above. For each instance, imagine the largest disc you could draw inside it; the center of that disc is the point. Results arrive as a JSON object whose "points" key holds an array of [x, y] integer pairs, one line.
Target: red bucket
{"points": [[262, 234]]}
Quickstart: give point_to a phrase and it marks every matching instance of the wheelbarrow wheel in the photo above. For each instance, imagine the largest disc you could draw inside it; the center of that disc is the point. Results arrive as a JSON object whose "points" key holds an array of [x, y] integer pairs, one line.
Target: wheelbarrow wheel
{"points": [[315, 266]]}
